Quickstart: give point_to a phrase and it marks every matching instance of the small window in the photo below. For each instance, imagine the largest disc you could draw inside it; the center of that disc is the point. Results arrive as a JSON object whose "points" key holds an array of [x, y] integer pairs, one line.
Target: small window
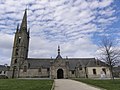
{"points": [[48, 69], [4, 72], [25, 69], [15, 61], [104, 70], [0, 72], [94, 71], [72, 72], [39, 70], [80, 68]]}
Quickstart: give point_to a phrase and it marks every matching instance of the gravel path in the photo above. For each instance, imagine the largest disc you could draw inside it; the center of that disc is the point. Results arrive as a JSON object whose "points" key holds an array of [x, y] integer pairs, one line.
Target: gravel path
{"points": [[67, 84]]}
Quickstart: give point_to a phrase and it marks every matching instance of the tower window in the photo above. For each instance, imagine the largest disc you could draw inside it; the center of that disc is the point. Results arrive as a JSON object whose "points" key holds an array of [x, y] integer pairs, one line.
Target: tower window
{"points": [[15, 61], [19, 39], [94, 71], [16, 53], [25, 69]]}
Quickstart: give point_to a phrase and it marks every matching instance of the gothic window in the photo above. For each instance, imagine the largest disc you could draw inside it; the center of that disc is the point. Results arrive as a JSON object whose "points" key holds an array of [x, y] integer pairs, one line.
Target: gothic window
{"points": [[15, 61], [25, 69], [104, 70], [94, 71], [72, 72], [0, 72]]}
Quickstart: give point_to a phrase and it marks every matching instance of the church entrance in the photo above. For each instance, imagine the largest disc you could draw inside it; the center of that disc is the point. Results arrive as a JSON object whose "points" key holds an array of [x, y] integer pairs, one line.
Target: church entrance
{"points": [[60, 74]]}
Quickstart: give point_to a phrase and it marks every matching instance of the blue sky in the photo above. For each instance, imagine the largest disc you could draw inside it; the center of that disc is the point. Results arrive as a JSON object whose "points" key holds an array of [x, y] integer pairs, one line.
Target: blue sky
{"points": [[75, 25]]}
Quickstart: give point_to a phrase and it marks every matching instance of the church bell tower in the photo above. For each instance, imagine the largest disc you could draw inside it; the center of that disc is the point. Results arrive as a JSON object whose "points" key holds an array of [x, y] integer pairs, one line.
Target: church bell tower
{"points": [[20, 47]]}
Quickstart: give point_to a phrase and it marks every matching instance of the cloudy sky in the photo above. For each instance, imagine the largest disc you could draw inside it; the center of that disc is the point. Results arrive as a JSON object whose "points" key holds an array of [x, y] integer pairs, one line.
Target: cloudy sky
{"points": [[75, 25]]}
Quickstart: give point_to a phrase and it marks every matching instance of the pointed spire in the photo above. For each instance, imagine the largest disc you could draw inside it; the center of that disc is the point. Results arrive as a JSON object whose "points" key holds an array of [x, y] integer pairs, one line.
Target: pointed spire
{"points": [[24, 22], [58, 50], [28, 32], [58, 56], [17, 30]]}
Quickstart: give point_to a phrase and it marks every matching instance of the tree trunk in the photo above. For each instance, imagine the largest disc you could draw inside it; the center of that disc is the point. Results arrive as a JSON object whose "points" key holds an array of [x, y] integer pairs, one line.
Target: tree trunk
{"points": [[111, 72]]}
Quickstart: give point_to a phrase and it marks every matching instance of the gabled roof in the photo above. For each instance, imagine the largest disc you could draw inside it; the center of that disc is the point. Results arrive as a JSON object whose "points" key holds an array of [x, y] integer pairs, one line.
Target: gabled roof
{"points": [[58, 57], [72, 62]]}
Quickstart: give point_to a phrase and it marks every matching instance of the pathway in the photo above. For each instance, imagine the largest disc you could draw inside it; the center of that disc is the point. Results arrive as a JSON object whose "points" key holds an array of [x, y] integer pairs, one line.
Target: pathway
{"points": [[67, 84]]}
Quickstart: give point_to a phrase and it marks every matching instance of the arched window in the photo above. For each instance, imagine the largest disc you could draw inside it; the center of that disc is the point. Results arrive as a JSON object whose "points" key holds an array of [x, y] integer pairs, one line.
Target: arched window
{"points": [[25, 69], [15, 61]]}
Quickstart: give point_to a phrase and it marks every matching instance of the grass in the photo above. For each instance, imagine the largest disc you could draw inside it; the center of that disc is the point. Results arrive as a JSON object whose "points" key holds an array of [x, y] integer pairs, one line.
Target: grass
{"points": [[106, 84], [16, 84]]}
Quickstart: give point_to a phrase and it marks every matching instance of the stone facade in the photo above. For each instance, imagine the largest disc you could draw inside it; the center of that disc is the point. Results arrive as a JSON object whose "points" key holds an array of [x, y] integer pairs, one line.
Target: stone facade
{"points": [[22, 66]]}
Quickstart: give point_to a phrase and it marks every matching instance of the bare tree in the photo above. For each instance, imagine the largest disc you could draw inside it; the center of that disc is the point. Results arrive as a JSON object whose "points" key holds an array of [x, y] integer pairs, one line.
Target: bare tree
{"points": [[110, 53]]}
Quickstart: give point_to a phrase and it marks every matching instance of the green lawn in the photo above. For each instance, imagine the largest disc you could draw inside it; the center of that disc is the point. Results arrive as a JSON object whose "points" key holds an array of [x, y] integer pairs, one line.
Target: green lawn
{"points": [[18, 84], [106, 84]]}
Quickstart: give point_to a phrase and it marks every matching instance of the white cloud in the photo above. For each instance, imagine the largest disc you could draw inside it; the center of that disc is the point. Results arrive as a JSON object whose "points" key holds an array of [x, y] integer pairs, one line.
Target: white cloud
{"points": [[66, 22]]}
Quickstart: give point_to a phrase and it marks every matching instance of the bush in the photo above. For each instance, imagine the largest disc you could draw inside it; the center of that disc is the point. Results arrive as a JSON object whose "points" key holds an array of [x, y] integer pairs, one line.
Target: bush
{"points": [[3, 77]]}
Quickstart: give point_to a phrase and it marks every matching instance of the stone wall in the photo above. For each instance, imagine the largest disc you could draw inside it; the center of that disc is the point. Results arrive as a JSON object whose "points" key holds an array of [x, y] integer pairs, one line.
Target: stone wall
{"points": [[99, 72], [35, 73]]}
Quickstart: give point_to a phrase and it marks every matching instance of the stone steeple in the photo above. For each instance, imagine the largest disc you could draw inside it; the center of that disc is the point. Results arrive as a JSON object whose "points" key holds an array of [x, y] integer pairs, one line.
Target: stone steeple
{"points": [[20, 47], [58, 50], [58, 56], [24, 22]]}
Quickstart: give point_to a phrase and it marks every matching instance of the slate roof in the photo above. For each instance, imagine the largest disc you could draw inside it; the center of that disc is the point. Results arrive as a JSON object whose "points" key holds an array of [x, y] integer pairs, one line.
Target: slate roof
{"points": [[46, 62], [58, 57], [37, 63]]}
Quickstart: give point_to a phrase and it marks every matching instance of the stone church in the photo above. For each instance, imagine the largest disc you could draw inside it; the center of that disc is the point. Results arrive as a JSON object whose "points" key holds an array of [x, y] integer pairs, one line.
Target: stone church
{"points": [[59, 67]]}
